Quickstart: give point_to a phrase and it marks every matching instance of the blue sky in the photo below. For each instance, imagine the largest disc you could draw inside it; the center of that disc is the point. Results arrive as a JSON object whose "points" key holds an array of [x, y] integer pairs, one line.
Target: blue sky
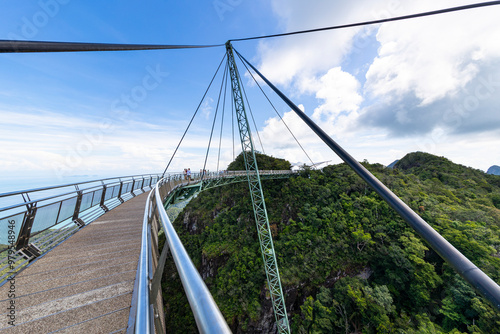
{"points": [[430, 84]]}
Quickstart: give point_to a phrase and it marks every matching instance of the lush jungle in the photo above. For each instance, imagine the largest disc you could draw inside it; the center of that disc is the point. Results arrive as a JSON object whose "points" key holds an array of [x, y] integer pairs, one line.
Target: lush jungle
{"points": [[348, 262]]}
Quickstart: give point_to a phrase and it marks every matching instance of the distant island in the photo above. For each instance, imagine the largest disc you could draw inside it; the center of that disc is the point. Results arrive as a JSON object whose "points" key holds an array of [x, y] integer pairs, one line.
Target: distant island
{"points": [[392, 164], [494, 170]]}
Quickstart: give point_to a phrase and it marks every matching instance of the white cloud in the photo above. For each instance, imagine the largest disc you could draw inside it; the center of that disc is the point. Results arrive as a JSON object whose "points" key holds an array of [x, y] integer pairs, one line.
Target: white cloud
{"points": [[206, 107], [424, 79], [339, 92], [433, 57], [56, 146], [297, 57]]}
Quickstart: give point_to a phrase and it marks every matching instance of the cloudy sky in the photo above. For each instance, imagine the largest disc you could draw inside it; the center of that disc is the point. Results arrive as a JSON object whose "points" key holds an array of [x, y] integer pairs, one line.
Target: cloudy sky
{"points": [[429, 84]]}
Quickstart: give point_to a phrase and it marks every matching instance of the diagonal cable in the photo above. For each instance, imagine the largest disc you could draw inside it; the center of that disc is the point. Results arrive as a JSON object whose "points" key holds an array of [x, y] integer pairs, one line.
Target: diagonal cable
{"points": [[253, 119], [215, 119], [391, 19], [481, 282], [222, 118], [277, 113], [192, 118]]}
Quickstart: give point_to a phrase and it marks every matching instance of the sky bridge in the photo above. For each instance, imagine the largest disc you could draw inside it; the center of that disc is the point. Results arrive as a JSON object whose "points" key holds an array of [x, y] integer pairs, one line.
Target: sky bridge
{"points": [[86, 283], [85, 257]]}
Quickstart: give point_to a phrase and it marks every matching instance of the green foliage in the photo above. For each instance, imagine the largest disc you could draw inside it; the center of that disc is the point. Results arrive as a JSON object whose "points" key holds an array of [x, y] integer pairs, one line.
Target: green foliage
{"points": [[264, 162], [348, 262]]}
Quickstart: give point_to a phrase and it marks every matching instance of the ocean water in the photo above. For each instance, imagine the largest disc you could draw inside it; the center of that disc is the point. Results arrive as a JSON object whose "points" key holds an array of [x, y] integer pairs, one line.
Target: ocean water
{"points": [[23, 183], [12, 207], [10, 184]]}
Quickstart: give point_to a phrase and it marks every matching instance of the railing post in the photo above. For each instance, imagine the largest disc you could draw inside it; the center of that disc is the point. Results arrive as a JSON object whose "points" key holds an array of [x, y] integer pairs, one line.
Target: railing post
{"points": [[103, 196], [142, 186], [132, 188], [25, 231], [120, 192], [78, 205], [28, 250]]}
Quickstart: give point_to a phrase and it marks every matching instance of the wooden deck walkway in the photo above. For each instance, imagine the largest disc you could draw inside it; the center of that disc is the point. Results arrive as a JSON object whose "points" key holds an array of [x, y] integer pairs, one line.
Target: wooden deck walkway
{"points": [[85, 284]]}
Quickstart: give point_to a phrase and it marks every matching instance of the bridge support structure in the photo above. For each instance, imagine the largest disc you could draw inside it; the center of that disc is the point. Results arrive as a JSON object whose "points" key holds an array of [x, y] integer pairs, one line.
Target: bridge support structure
{"points": [[257, 196]]}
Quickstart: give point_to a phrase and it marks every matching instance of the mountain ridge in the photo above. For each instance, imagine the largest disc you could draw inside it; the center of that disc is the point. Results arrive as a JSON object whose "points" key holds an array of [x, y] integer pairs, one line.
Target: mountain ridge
{"points": [[342, 250]]}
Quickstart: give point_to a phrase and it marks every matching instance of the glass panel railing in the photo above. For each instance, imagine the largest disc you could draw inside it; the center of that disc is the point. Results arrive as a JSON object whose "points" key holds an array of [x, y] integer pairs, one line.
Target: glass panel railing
{"points": [[9, 229], [86, 201], [52, 220], [109, 193], [45, 217], [97, 197], [126, 187], [67, 209]]}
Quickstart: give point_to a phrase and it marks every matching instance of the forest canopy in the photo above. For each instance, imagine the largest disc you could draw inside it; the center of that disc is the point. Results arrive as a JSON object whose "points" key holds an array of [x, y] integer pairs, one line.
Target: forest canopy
{"points": [[348, 262]]}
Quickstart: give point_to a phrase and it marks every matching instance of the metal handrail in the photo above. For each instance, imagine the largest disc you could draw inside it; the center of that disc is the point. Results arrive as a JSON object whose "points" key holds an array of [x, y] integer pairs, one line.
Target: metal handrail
{"points": [[19, 192], [59, 215], [146, 309], [143, 323], [207, 315], [118, 180]]}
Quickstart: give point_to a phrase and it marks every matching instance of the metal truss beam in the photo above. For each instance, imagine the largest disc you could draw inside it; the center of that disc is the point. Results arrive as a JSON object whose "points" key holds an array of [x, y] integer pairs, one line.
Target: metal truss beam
{"points": [[257, 196]]}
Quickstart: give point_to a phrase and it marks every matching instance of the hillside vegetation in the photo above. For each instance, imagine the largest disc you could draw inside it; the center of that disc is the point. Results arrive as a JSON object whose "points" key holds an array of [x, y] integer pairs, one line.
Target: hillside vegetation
{"points": [[348, 262]]}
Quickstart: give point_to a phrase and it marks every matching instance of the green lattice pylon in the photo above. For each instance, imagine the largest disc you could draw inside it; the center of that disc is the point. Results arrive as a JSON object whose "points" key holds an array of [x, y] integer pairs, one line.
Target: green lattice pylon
{"points": [[257, 196]]}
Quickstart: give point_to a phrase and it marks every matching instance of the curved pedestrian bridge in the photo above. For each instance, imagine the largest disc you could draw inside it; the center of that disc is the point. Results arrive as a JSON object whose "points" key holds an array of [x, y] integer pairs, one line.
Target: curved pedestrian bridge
{"points": [[86, 283]]}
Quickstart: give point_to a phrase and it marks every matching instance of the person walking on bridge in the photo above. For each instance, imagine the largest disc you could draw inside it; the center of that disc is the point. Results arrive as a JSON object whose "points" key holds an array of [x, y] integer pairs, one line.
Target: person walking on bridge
{"points": [[189, 174]]}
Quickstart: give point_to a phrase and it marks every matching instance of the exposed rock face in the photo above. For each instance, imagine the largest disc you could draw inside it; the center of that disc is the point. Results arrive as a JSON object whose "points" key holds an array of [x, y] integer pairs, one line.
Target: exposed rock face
{"points": [[495, 170], [266, 322], [210, 266]]}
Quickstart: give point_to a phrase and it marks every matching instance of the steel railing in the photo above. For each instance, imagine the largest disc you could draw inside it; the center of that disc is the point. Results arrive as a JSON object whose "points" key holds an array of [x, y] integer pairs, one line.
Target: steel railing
{"points": [[34, 221], [147, 305]]}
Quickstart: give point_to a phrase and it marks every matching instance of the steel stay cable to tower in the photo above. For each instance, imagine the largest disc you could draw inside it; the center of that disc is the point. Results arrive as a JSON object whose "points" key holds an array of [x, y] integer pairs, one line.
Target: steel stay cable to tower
{"points": [[483, 284], [222, 118], [392, 19], [18, 46], [253, 119], [192, 118], [215, 119], [277, 113]]}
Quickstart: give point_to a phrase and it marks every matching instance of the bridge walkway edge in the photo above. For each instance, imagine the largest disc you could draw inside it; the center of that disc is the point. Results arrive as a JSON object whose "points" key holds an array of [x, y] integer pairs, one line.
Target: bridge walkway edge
{"points": [[85, 284]]}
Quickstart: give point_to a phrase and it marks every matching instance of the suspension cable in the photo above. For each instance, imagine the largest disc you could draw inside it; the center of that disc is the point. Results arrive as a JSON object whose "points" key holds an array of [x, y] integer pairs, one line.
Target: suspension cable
{"points": [[215, 119], [222, 118], [277, 113], [232, 123], [391, 19], [192, 118], [253, 119], [15, 46]]}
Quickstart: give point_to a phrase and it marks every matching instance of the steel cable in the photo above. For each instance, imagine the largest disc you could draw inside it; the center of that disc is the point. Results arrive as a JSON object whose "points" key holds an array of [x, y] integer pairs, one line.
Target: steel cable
{"points": [[192, 118]]}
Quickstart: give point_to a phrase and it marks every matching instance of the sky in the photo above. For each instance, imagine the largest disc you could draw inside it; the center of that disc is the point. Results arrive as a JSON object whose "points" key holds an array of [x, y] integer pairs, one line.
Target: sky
{"points": [[381, 91]]}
